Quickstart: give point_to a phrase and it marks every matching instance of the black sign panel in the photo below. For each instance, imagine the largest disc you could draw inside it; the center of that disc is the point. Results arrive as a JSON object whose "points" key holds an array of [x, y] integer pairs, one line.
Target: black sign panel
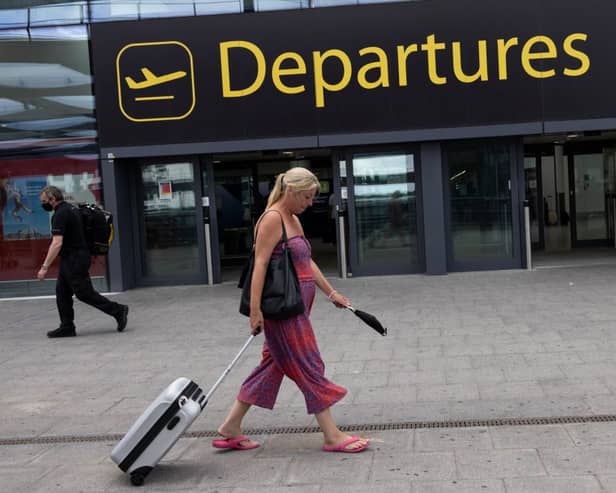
{"points": [[312, 72]]}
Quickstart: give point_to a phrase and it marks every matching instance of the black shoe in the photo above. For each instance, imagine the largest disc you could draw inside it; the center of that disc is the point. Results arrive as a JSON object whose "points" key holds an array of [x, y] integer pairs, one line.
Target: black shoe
{"points": [[122, 317], [61, 332]]}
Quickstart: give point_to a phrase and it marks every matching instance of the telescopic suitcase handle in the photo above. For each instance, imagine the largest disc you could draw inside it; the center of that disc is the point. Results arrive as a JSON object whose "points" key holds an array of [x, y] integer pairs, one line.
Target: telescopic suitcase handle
{"points": [[228, 369]]}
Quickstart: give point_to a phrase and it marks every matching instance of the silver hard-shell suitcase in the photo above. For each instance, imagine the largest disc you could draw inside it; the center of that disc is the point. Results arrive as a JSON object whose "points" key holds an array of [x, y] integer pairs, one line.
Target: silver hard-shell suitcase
{"points": [[162, 424]]}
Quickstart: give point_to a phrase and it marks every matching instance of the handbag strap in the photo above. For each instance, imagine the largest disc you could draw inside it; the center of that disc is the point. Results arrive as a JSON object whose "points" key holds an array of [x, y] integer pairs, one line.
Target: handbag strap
{"points": [[285, 240]]}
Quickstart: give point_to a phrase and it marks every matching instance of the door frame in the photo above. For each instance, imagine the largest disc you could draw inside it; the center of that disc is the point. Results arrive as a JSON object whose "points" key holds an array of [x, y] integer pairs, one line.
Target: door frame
{"points": [[537, 152], [208, 190], [390, 269]]}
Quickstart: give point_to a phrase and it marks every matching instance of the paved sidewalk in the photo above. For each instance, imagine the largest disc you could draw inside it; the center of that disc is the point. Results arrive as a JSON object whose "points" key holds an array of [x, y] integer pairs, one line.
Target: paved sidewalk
{"points": [[464, 346]]}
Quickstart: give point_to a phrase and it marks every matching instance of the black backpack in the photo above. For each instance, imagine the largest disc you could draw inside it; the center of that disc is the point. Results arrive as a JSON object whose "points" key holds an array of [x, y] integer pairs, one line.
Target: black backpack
{"points": [[97, 228]]}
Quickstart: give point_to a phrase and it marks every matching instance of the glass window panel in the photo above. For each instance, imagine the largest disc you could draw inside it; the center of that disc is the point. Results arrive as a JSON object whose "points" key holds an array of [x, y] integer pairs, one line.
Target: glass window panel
{"points": [[169, 210], [13, 18], [480, 200], [59, 33], [9, 106], [57, 14], [25, 227], [208, 7], [590, 214], [13, 34], [166, 8], [107, 10], [47, 93], [332, 3], [280, 4], [233, 189], [386, 209]]}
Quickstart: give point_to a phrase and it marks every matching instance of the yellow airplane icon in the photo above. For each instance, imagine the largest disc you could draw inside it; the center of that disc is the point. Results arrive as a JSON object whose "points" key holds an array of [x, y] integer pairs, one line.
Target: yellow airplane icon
{"points": [[153, 80]]}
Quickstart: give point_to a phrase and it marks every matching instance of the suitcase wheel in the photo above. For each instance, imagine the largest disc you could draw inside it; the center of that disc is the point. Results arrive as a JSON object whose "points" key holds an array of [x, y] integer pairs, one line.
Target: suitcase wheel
{"points": [[137, 477]]}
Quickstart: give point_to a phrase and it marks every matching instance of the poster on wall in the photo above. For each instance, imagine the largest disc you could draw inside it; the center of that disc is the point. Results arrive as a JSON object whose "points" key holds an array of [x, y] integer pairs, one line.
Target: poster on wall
{"points": [[164, 190], [25, 228], [22, 216]]}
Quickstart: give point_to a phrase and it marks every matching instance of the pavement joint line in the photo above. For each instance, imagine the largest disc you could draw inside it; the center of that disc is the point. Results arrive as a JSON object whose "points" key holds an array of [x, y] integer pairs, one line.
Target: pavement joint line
{"points": [[286, 430], [47, 297]]}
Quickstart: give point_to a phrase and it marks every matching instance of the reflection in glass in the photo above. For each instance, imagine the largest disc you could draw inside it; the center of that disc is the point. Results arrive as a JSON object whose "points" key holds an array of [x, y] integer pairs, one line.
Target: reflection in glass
{"points": [[209, 7], [280, 4], [169, 8], [67, 13], [590, 214], [13, 34], [13, 18], [386, 209], [169, 213], [332, 3], [531, 183], [46, 88], [480, 198], [59, 33], [25, 228], [106, 10], [234, 213]]}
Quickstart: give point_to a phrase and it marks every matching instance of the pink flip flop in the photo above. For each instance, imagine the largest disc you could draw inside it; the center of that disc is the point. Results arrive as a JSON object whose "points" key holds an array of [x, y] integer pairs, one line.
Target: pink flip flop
{"points": [[234, 443], [343, 446]]}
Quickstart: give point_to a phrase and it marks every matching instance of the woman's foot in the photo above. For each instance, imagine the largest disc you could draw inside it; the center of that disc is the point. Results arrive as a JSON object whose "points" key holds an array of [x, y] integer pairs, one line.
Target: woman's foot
{"points": [[233, 438], [239, 443], [346, 444]]}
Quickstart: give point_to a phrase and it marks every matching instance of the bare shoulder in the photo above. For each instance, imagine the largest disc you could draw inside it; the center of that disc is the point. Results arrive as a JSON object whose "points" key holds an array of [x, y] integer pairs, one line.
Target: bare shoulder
{"points": [[270, 216], [269, 224]]}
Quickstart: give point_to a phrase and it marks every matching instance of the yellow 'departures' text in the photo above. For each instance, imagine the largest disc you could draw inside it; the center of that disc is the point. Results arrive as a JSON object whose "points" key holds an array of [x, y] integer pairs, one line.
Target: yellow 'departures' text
{"points": [[374, 67]]}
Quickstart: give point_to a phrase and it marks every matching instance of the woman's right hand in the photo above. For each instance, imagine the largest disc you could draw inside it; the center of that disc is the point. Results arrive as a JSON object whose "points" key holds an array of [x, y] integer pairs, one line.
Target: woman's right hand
{"points": [[256, 321]]}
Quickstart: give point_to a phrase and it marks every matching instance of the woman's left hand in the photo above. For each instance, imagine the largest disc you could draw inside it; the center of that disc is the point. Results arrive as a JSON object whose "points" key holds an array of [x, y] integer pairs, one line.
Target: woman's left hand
{"points": [[340, 301], [256, 321]]}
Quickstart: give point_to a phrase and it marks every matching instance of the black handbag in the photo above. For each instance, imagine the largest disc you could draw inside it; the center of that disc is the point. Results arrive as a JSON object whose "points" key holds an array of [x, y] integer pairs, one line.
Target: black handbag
{"points": [[281, 297]]}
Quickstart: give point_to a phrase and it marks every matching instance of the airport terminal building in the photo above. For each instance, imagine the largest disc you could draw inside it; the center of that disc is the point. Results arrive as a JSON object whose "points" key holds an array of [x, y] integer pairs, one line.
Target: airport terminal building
{"points": [[429, 124]]}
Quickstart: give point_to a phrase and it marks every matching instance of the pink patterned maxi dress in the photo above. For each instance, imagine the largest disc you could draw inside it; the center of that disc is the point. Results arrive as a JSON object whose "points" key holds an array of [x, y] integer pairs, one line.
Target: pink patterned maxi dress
{"points": [[290, 349]]}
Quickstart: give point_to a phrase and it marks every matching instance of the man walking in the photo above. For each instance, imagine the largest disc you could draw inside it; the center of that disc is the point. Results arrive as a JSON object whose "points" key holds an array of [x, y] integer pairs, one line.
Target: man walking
{"points": [[69, 242]]}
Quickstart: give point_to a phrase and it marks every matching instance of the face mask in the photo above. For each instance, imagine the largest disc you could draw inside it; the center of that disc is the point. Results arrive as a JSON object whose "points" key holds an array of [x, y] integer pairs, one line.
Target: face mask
{"points": [[47, 206]]}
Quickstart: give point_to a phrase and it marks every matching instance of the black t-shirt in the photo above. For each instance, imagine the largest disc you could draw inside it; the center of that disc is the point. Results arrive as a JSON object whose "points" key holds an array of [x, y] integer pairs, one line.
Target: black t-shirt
{"points": [[66, 223]]}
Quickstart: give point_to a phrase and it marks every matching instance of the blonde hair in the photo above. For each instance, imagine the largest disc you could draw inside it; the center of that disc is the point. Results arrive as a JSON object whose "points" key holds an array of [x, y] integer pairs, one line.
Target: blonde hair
{"points": [[299, 178]]}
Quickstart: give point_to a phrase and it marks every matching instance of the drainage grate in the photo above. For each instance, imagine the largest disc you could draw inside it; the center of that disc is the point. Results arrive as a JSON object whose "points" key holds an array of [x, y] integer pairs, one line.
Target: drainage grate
{"points": [[287, 430]]}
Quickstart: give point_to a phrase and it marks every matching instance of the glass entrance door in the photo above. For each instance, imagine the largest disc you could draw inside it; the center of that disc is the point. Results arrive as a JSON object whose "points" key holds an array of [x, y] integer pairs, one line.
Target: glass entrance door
{"points": [[235, 215], [170, 246], [383, 216], [590, 190], [483, 229], [239, 189]]}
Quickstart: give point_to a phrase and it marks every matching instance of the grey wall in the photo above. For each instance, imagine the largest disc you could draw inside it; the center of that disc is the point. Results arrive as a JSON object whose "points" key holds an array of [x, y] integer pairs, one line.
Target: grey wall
{"points": [[433, 208], [117, 193]]}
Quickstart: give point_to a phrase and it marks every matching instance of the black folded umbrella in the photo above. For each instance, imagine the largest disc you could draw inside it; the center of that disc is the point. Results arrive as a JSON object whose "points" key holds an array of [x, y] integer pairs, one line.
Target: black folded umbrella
{"points": [[370, 320]]}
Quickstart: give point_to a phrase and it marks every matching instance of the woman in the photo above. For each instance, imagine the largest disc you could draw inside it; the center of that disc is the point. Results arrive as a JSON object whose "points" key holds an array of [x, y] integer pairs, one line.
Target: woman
{"points": [[290, 346]]}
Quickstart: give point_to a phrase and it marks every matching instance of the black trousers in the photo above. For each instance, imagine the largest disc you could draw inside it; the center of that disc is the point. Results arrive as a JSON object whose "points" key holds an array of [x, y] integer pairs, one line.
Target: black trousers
{"points": [[74, 278]]}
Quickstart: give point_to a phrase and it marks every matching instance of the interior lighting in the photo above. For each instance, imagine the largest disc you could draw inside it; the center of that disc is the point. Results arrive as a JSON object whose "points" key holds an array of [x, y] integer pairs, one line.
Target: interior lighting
{"points": [[457, 175]]}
